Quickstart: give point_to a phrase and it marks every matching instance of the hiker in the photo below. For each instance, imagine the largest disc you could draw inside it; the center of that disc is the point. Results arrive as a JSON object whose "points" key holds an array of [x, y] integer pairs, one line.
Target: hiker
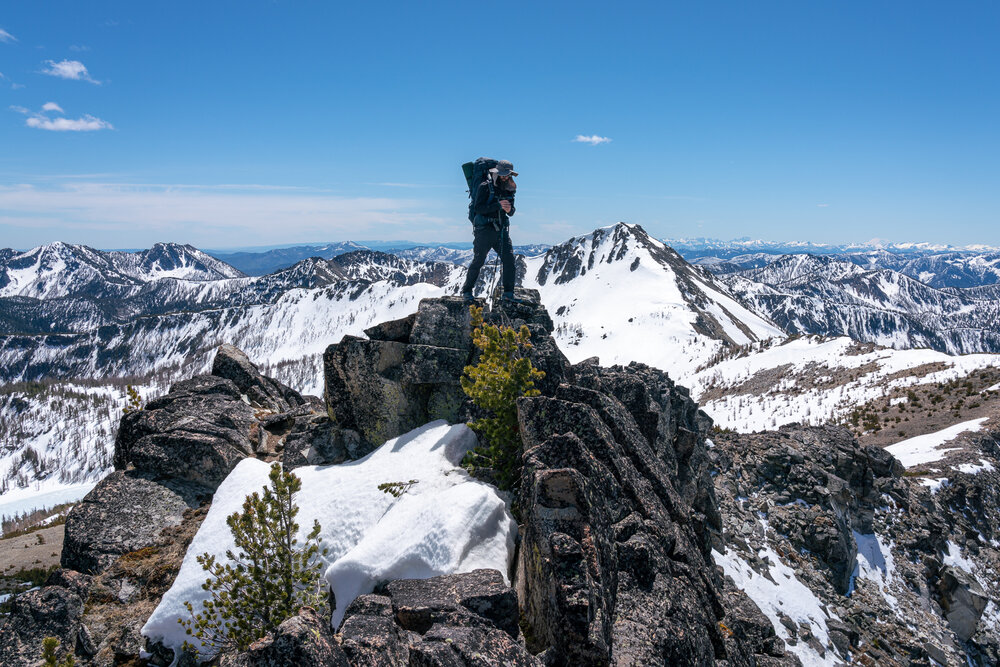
{"points": [[492, 207]]}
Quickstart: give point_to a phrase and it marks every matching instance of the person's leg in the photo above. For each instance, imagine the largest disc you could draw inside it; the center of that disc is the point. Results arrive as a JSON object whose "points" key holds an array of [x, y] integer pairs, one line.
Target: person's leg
{"points": [[481, 244], [507, 260]]}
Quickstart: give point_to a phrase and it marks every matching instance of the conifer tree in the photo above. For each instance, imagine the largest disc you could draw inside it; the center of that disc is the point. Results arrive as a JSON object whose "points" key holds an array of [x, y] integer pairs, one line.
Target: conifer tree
{"points": [[267, 579], [49, 647], [502, 375]]}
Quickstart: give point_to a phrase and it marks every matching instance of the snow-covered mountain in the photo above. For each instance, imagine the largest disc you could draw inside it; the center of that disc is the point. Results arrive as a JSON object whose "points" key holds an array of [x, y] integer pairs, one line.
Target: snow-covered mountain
{"points": [[65, 270], [692, 248], [285, 316], [834, 296], [935, 266], [621, 295]]}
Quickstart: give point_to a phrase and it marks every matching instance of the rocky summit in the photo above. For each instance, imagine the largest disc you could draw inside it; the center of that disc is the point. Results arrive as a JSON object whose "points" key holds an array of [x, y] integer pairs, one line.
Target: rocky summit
{"points": [[646, 535]]}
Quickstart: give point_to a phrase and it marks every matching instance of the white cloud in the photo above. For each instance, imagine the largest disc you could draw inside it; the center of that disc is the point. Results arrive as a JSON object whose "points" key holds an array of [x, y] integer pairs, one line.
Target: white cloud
{"points": [[593, 140], [79, 47], [822, 205], [207, 215], [40, 121], [6, 36], [68, 69], [86, 124]]}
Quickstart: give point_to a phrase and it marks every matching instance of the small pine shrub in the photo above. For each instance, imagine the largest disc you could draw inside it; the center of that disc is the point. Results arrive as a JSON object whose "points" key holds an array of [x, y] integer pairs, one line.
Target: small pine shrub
{"points": [[269, 577], [396, 489], [502, 376], [49, 647], [133, 402]]}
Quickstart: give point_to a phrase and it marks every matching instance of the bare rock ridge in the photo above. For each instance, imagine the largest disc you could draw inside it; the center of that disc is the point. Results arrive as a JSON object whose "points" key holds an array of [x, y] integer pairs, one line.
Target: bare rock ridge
{"points": [[626, 502]]}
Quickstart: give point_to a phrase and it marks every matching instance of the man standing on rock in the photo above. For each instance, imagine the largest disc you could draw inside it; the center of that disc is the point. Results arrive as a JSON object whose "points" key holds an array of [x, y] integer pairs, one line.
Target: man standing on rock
{"points": [[493, 205]]}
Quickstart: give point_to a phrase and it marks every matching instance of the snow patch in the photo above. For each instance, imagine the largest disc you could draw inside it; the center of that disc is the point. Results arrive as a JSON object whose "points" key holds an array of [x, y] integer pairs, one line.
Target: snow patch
{"points": [[955, 558], [973, 468], [935, 485], [445, 523], [925, 448]]}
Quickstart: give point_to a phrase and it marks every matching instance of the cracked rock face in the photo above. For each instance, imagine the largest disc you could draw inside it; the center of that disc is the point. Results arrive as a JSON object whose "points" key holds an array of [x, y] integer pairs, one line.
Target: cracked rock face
{"points": [[618, 515], [197, 432], [452, 620], [125, 512], [53, 611]]}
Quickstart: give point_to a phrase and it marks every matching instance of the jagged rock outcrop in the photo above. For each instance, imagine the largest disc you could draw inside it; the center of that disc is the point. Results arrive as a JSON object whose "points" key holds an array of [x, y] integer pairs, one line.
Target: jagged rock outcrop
{"points": [[197, 432], [614, 565], [233, 364], [173, 454]]}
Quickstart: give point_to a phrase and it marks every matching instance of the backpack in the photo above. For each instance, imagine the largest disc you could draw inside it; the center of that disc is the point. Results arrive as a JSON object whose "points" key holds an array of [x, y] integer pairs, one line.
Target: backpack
{"points": [[475, 173]]}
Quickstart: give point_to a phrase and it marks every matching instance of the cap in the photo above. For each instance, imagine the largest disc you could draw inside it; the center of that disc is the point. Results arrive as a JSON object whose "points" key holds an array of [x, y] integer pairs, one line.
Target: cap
{"points": [[505, 168]]}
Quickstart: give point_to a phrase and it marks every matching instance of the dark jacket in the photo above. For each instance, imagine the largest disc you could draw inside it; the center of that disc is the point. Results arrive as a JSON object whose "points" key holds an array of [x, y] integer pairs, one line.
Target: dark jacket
{"points": [[487, 204]]}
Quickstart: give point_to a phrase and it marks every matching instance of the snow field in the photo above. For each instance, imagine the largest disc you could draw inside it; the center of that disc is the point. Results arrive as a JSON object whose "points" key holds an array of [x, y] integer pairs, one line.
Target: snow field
{"points": [[445, 523]]}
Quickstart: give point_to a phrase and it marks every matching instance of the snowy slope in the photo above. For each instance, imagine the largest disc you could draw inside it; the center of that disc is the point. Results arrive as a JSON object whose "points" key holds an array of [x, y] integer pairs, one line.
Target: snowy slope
{"points": [[444, 524], [623, 296]]}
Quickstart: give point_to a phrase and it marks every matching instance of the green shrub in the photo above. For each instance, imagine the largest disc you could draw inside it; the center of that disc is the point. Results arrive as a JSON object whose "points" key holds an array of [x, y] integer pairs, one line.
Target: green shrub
{"points": [[269, 577], [49, 647], [502, 376], [133, 402]]}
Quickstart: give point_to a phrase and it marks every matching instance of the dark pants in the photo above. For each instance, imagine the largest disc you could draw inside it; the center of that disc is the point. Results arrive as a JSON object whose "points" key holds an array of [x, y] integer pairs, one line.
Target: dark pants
{"points": [[488, 238]]}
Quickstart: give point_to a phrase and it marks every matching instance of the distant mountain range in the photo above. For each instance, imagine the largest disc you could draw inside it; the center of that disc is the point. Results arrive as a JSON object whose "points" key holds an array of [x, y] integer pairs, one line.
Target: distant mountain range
{"points": [[725, 326], [268, 261]]}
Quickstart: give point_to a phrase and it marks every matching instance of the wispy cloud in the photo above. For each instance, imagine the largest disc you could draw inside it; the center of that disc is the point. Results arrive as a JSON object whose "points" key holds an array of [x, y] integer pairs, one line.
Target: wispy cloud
{"points": [[822, 205], [206, 215], [6, 37], [78, 48], [593, 139], [40, 120], [69, 69]]}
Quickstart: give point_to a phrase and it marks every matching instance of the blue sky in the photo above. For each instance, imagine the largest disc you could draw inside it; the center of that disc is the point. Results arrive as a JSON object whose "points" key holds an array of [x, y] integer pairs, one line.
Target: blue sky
{"points": [[250, 123]]}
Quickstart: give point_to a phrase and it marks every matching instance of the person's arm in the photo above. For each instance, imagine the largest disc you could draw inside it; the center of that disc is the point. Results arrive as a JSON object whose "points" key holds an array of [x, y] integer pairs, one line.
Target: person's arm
{"points": [[486, 205]]}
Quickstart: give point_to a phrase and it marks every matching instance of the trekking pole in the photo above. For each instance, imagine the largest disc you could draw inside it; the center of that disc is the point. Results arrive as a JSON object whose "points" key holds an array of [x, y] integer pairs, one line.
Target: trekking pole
{"points": [[496, 274]]}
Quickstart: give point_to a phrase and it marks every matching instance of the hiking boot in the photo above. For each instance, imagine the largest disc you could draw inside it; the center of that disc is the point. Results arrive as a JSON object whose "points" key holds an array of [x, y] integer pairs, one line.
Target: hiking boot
{"points": [[468, 298], [509, 298]]}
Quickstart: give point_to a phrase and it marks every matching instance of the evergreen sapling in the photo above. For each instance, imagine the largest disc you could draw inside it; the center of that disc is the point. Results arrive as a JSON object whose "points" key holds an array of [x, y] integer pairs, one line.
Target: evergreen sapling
{"points": [[494, 384], [267, 579]]}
